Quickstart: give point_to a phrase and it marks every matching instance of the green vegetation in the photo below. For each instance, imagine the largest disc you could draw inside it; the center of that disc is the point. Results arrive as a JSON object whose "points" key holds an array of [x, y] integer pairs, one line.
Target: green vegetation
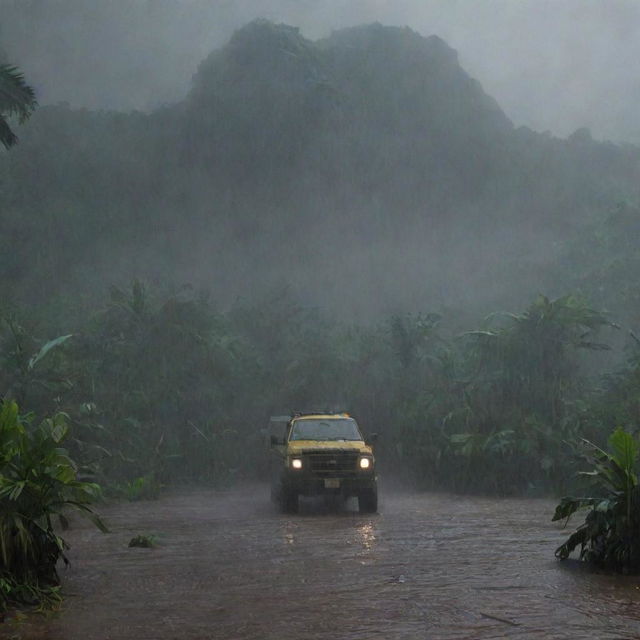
{"points": [[143, 541], [162, 389], [141, 488], [17, 99], [499, 403], [610, 535], [38, 484]]}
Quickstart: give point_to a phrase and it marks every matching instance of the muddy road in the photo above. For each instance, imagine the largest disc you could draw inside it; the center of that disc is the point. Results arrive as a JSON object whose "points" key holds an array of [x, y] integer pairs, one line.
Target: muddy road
{"points": [[228, 566]]}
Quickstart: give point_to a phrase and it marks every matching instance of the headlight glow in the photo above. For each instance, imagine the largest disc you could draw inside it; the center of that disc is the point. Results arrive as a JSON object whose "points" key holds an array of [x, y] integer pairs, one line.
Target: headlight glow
{"points": [[365, 463], [296, 463]]}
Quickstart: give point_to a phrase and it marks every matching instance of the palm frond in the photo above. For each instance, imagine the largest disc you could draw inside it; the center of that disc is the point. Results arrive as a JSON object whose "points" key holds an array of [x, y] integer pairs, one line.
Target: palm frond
{"points": [[17, 99], [7, 137]]}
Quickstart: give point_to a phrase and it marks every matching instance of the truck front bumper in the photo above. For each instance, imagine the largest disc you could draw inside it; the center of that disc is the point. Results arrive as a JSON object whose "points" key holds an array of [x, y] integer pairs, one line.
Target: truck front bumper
{"points": [[309, 485]]}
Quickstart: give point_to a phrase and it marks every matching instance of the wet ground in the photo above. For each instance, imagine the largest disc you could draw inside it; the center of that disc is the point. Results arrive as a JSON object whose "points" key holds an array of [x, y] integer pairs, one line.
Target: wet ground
{"points": [[228, 566]]}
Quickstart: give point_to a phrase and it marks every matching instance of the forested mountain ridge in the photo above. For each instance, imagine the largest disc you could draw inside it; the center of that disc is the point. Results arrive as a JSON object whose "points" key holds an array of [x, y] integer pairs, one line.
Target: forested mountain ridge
{"points": [[367, 170]]}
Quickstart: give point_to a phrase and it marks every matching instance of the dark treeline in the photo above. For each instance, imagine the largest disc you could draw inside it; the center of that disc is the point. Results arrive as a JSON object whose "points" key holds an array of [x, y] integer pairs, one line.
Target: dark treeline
{"points": [[165, 388]]}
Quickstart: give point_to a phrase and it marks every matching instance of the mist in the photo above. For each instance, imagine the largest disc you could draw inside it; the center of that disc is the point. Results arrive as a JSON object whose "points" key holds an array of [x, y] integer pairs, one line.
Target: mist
{"points": [[552, 66], [295, 294]]}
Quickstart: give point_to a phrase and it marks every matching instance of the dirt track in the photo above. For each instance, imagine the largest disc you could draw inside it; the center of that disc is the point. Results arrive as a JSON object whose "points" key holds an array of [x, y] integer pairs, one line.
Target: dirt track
{"points": [[228, 566]]}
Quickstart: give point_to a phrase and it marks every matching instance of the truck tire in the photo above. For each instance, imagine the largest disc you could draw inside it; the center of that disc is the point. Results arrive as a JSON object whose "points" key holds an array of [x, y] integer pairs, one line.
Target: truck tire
{"points": [[368, 501]]}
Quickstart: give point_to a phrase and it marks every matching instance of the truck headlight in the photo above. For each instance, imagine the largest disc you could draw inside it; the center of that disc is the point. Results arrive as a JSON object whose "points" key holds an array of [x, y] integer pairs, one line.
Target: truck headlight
{"points": [[365, 463], [296, 463]]}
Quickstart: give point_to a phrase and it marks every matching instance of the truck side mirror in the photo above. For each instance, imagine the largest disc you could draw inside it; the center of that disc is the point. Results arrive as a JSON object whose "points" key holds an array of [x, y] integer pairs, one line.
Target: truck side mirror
{"points": [[275, 440], [372, 439]]}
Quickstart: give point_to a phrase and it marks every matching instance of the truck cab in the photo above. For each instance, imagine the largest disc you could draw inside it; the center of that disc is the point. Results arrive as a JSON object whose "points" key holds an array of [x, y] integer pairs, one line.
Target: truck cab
{"points": [[321, 454]]}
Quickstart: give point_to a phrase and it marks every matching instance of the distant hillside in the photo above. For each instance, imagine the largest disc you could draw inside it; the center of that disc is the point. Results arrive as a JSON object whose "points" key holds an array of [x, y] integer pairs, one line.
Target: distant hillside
{"points": [[367, 170]]}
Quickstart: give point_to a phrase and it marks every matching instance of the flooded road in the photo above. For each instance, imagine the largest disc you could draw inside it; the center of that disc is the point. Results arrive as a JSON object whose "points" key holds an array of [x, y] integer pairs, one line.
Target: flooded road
{"points": [[227, 565]]}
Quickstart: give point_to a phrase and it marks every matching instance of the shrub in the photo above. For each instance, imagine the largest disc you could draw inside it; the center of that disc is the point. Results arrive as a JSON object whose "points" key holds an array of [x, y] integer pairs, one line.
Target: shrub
{"points": [[610, 534], [38, 482], [141, 488]]}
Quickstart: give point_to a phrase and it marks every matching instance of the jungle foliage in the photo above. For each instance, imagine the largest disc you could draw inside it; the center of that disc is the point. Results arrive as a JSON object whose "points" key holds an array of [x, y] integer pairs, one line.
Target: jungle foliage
{"points": [[163, 388], [38, 485], [610, 535]]}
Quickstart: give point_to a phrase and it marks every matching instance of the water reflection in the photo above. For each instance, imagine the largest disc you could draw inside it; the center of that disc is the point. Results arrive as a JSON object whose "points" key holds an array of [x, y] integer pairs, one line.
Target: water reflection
{"points": [[288, 533], [366, 535], [431, 567]]}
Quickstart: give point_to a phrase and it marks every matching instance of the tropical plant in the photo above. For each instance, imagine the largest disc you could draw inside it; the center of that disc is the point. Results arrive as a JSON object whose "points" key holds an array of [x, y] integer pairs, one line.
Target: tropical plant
{"points": [[524, 378], [17, 98], [143, 541], [31, 372], [38, 484], [610, 535], [141, 488], [162, 388]]}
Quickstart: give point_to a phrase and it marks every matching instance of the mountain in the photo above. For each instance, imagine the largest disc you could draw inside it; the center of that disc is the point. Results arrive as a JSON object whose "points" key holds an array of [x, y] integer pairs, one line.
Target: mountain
{"points": [[366, 170]]}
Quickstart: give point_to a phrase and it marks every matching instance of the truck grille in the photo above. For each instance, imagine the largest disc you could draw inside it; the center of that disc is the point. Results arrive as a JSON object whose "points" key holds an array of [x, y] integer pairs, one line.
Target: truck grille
{"points": [[332, 464]]}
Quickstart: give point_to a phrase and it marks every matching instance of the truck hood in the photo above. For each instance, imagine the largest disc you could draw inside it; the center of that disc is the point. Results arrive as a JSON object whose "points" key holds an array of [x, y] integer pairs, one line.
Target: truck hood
{"points": [[298, 446]]}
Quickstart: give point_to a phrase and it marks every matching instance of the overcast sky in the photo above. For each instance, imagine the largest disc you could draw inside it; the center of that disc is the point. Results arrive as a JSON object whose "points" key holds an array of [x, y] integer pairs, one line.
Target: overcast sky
{"points": [[552, 64]]}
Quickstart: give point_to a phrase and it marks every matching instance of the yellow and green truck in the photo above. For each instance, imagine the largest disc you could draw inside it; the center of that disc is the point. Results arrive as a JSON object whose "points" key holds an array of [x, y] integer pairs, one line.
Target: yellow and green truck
{"points": [[315, 454]]}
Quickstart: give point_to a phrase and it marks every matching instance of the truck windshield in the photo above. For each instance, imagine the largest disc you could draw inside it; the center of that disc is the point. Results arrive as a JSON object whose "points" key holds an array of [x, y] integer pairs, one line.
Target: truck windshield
{"points": [[334, 429]]}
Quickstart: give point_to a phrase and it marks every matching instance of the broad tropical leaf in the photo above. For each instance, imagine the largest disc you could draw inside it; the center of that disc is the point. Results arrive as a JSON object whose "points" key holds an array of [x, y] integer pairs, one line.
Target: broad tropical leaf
{"points": [[610, 534], [52, 344]]}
